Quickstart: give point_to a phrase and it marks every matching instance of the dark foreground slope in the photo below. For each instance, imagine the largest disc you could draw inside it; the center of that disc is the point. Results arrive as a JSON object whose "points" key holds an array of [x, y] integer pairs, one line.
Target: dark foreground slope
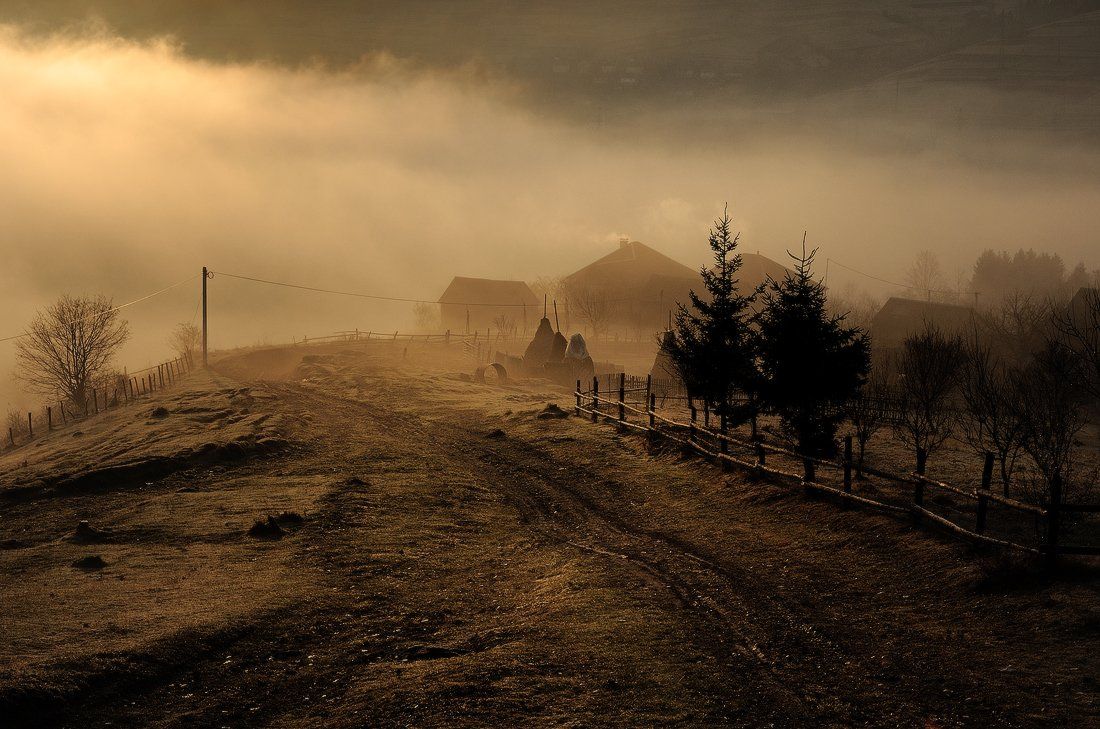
{"points": [[462, 561]]}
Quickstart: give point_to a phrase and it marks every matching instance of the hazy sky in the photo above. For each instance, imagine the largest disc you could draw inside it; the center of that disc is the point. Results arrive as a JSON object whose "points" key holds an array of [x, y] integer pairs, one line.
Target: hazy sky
{"points": [[127, 167]]}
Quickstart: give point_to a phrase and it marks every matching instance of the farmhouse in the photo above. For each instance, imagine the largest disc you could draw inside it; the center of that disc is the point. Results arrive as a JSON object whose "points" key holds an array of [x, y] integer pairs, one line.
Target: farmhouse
{"points": [[643, 285], [899, 318], [474, 304]]}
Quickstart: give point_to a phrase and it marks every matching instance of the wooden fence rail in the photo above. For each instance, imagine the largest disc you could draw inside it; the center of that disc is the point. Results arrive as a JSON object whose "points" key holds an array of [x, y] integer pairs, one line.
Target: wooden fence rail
{"points": [[714, 444]]}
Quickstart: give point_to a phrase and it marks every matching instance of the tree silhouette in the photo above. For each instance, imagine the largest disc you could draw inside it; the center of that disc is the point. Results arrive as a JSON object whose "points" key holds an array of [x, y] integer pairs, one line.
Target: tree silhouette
{"points": [[69, 345], [812, 365], [713, 344]]}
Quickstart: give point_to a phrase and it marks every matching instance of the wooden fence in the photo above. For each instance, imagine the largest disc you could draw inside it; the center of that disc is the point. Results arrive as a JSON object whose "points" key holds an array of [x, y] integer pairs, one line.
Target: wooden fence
{"points": [[752, 455], [127, 388]]}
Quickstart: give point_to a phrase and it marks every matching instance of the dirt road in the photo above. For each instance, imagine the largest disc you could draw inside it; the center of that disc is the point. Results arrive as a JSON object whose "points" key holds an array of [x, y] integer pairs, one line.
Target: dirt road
{"points": [[465, 561]]}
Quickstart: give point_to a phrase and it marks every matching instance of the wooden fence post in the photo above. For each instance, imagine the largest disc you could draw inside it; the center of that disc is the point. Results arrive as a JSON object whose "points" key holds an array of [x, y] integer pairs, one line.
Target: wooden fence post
{"points": [[595, 397], [652, 411], [61, 405], [706, 414], [49, 418], [723, 426], [30, 424], [1054, 518], [983, 493], [648, 386], [622, 396], [761, 455], [848, 463], [11, 437], [694, 419], [577, 407], [918, 486]]}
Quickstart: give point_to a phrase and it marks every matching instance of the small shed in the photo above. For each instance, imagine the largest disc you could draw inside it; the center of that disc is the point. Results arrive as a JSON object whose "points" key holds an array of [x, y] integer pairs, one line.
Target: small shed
{"points": [[474, 304]]}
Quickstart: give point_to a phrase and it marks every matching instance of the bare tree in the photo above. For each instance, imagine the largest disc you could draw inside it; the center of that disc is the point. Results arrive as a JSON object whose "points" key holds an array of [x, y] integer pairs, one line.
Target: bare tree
{"points": [[428, 317], [925, 276], [1079, 325], [185, 340], [592, 307], [1051, 403], [552, 288], [1017, 327], [854, 304], [928, 376], [69, 345], [992, 423], [869, 411]]}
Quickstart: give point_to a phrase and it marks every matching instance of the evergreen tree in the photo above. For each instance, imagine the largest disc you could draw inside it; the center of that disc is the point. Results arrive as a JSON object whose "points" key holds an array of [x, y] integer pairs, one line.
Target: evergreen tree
{"points": [[810, 362], [713, 347]]}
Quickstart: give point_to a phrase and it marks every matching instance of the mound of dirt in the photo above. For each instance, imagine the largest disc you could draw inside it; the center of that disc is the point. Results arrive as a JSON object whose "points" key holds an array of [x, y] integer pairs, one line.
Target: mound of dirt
{"points": [[552, 411], [85, 533], [159, 412], [275, 527], [266, 529], [91, 562]]}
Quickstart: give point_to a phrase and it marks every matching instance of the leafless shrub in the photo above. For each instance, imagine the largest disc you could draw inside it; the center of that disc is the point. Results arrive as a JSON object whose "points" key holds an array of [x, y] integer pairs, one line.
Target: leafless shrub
{"points": [[70, 345], [16, 422], [505, 326], [869, 412], [992, 422], [1018, 326], [1079, 325], [427, 317], [1051, 405], [185, 340], [928, 378]]}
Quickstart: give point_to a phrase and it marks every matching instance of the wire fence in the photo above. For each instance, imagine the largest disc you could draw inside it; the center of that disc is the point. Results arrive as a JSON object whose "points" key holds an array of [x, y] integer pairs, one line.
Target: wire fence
{"points": [[977, 514], [111, 393]]}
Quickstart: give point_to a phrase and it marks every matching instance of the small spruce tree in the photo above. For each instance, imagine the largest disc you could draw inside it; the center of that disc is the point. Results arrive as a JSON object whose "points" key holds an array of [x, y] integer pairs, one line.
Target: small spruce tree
{"points": [[810, 362], [713, 346]]}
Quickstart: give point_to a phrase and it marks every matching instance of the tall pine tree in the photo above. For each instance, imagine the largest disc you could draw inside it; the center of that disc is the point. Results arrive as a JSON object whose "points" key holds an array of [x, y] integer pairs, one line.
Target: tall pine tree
{"points": [[810, 362], [713, 347]]}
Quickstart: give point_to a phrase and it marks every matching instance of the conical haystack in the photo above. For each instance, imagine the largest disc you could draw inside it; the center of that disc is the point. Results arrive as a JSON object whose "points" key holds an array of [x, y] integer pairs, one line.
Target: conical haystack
{"points": [[664, 369], [540, 348], [557, 352]]}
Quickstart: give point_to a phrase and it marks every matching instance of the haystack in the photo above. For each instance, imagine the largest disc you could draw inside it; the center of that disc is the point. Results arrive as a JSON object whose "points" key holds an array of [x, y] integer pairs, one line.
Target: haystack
{"points": [[663, 366], [541, 347]]}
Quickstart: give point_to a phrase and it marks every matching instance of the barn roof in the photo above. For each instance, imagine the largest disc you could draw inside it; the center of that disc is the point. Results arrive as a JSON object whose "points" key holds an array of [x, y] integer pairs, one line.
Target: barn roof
{"points": [[635, 264], [899, 318], [464, 290]]}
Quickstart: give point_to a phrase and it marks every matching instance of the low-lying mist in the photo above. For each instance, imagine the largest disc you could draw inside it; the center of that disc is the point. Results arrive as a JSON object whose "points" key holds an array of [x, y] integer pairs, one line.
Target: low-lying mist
{"points": [[127, 167]]}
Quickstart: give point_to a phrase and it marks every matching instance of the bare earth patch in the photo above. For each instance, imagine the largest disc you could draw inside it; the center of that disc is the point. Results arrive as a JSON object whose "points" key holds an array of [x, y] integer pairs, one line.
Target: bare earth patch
{"points": [[553, 573]]}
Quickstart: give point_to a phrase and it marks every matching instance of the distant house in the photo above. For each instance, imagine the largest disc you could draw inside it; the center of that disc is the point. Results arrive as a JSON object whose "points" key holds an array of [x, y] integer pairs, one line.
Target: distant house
{"points": [[646, 285], [474, 304], [900, 318]]}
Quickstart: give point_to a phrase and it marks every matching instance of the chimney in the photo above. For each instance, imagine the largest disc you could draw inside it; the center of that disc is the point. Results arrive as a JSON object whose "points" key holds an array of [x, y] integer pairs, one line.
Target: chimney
{"points": [[624, 242]]}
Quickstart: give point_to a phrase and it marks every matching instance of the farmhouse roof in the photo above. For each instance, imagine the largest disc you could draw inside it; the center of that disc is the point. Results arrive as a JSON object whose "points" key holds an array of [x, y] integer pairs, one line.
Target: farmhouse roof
{"points": [[464, 290], [635, 264], [899, 318]]}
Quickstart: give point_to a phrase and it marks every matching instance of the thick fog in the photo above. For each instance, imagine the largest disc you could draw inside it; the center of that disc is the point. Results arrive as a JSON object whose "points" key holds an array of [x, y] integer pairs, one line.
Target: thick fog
{"points": [[125, 167]]}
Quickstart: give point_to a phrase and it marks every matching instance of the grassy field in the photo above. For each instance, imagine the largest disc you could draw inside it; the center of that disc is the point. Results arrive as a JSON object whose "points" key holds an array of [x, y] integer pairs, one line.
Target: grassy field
{"points": [[462, 560]]}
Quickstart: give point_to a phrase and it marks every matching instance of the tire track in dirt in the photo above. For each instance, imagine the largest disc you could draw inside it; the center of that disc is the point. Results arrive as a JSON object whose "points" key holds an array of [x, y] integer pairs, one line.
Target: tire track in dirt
{"points": [[722, 618]]}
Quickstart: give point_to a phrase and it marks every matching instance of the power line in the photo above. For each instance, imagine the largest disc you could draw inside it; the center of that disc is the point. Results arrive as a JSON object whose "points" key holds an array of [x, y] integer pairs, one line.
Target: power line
{"points": [[895, 283], [116, 308], [377, 297]]}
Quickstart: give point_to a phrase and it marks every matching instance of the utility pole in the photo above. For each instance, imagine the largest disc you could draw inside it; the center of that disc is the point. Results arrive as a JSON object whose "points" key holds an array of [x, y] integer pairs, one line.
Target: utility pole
{"points": [[205, 274]]}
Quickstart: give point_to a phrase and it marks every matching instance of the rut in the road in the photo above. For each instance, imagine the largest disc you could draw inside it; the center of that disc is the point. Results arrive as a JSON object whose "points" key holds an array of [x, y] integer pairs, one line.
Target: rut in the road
{"points": [[797, 671]]}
